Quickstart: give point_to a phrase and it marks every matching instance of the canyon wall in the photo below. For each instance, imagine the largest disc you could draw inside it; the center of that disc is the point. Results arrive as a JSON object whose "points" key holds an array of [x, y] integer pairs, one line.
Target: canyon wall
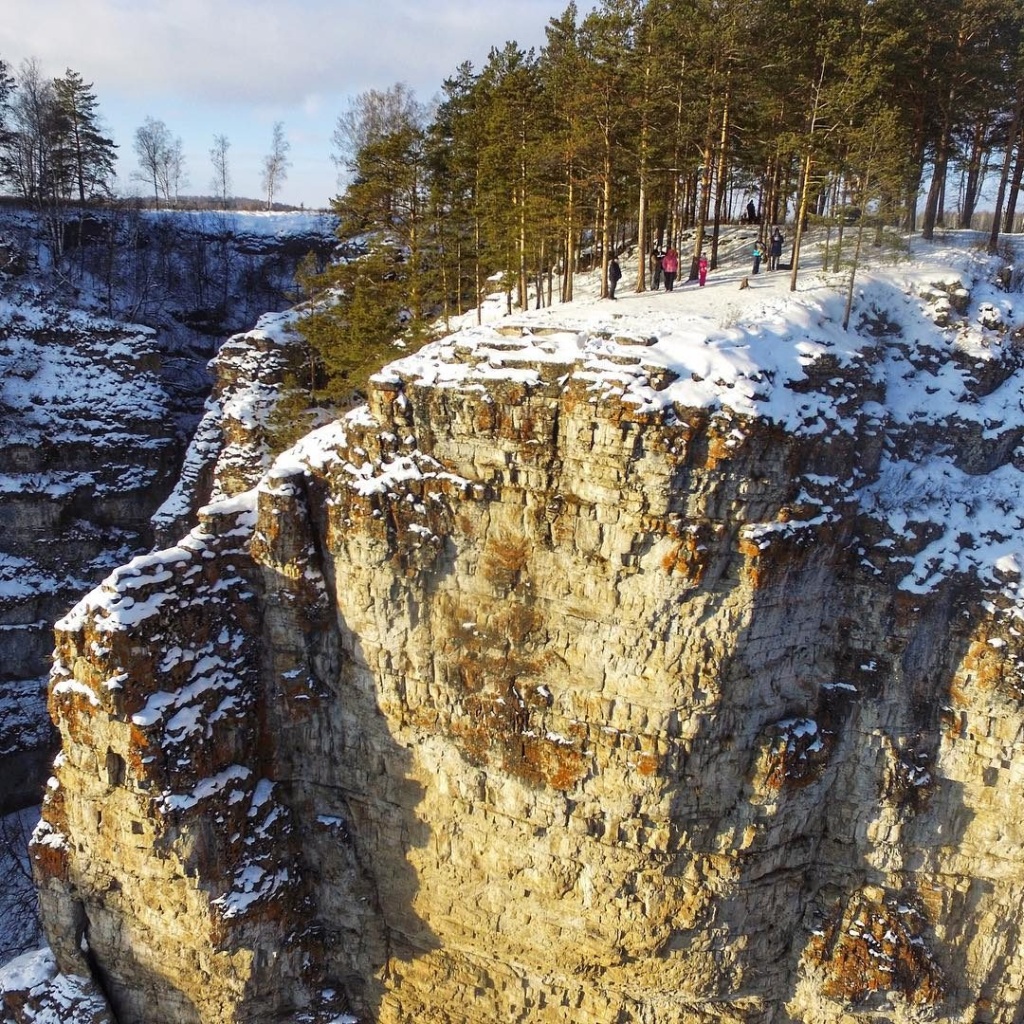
{"points": [[103, 377], [85, 454], [539, 690]]}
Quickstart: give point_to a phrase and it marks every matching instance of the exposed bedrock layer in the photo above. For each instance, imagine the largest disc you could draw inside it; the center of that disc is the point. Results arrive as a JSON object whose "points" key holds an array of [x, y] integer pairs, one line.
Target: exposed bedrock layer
{"points": [[86, 454], [513, 699]]}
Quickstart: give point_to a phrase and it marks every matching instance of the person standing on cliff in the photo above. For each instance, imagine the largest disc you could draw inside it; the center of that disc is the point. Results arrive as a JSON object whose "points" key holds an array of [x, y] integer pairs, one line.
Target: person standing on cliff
{"points": [[656, 258], [670, 267], [614, 274], [775, 250]]}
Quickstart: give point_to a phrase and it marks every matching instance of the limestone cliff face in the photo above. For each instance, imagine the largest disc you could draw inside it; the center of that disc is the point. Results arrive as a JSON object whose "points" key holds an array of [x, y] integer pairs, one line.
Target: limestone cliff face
{"points": [[102, 380], [231, 448], [536, 691]]}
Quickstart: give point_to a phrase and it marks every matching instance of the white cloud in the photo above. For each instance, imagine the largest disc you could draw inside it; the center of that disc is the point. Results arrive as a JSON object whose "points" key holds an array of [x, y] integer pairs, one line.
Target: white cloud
{"points": [[236, 66], [263, 51]]}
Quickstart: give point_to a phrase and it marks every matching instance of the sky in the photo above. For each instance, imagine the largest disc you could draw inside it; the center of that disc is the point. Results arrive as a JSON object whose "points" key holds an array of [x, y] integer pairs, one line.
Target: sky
{"points": [[235, 67]]}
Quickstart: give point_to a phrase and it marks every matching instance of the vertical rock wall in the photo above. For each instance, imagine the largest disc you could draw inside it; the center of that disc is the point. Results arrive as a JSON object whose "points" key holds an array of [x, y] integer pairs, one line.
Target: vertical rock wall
{"points": [[85, 456], [508, 700]]}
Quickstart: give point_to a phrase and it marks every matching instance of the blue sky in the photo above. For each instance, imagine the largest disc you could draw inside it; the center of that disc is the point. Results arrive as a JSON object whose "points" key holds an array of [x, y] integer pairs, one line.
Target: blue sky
{"points": [[234, 68]]}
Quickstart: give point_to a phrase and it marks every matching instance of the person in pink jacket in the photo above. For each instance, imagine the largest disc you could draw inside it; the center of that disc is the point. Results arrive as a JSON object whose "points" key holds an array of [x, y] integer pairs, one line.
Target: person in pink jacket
{"points": [[702, 269], [670, 266]]}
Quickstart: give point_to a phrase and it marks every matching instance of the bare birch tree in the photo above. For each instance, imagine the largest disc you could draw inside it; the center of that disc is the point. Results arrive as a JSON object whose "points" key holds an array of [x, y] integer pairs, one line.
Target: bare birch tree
{"points": [[221, 184], [276, 163]]}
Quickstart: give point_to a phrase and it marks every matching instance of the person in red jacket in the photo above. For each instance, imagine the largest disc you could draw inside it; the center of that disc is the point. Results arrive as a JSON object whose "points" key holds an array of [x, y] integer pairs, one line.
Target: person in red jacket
{"points": [[702, 269], [670, 266]]}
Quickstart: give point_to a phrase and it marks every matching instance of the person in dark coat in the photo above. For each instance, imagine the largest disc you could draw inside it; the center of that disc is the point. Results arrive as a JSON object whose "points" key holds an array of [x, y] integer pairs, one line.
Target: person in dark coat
{"points": [[614, 273], [775, 250], [751, 212]]}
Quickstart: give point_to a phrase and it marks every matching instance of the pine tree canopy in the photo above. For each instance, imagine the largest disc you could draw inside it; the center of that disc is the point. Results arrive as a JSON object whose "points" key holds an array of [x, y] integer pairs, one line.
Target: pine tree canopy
{"points": [[649, 119]]}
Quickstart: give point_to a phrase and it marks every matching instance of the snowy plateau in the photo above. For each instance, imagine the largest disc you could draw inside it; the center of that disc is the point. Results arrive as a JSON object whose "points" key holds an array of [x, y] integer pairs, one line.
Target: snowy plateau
{"points": [[655, 659]]}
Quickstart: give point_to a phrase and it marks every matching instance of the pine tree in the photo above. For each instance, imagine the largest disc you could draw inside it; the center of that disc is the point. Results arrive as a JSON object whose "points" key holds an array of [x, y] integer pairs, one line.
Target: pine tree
{"points": [[968, 63], [564, 73], [508, 99], [90, 154], [355, 322], [644, 119], [379, 294], [451, 154], [606, 38], [876, 159]]}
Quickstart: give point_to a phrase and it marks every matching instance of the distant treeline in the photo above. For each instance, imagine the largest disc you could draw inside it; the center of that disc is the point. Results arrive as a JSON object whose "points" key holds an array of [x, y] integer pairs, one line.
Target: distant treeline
{"points": [[54, 152]]}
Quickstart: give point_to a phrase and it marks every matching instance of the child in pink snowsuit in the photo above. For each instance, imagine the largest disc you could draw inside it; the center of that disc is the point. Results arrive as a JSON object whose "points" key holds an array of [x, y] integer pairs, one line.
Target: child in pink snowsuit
{"points": [[702, 269]]}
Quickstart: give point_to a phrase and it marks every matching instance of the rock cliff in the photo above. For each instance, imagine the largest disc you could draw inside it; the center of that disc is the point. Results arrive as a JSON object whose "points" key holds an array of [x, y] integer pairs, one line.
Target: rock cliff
{"points": [[84, 455], [102, 380], [635, 666]]}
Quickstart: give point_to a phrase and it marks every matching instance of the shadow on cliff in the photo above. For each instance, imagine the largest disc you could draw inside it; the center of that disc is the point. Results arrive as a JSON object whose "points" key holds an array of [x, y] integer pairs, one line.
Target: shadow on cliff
{"points": [[803, 793], [349, 782], [879, 924], [808, 797]]}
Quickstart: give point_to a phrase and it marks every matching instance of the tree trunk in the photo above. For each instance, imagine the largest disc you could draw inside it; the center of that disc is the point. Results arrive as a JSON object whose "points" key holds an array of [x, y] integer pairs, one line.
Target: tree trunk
{"points": [[522, 283], [569, 268], [606, 211], [1018, 176], [864, 193], [933, 203], [707, 160], [974, 175], [805, 191], [641, 226], [478, 272], [1004, 176], [720, 177]]}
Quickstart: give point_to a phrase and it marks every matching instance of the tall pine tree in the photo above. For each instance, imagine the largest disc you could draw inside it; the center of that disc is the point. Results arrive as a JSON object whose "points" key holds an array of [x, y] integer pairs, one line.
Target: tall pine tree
{"points": [[88, 154]]}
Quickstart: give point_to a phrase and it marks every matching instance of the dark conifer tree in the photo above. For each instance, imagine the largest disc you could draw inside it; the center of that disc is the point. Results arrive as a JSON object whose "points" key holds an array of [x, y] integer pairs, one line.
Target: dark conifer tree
{"points": [[453, 172], [382, 291], [89, 155]]}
